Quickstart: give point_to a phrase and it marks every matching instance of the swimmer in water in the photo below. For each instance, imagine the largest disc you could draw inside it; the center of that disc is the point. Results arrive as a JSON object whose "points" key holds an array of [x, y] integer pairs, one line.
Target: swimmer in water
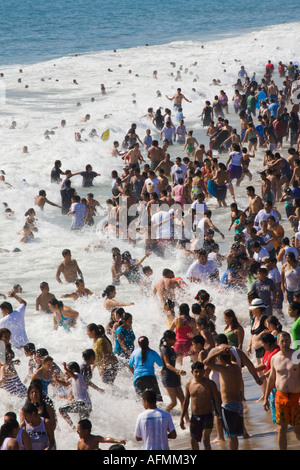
{"points": [[43, 299], [81, 291], [90, 441], [69, 268], [41, 199]]}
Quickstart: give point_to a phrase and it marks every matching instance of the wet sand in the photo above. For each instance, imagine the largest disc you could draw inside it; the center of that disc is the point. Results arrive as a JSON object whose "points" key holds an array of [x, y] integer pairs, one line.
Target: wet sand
{"points": [[262, 432]]}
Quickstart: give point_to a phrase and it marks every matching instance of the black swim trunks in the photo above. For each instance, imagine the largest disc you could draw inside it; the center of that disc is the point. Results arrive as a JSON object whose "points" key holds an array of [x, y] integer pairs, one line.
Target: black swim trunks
{"points": [[199, 423]]}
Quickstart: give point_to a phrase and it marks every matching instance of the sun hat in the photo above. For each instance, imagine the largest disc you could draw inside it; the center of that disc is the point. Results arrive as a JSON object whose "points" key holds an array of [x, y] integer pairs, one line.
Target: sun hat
{"points": [[257, 303]]}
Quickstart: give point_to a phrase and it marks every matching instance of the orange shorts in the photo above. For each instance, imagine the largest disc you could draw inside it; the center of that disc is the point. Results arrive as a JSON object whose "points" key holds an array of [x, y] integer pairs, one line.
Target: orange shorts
{"points": [[287, 407]]}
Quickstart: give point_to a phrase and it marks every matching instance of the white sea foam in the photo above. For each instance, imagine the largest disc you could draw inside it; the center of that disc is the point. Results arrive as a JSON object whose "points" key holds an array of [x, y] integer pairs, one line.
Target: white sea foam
{"points": [[42, 106]]}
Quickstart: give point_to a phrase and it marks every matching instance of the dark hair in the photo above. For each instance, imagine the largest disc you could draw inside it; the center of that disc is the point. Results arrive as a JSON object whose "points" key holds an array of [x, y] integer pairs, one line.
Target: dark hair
{"points": [[7, 428], [29, 348], [295, 306], [268, 338], [275, 322], [56, 303], [108, 290], [144, 345], [99, 331], [221, 339], [184, 309], [125, 317], [43, 284], [6, 306], [36, 383], [230, 314], [30, 408], [168, 334], [197, 365], [66, 251], [117, 447], [196, 309], [203, 296], [202, 322], [11, 415], [149, 396], [198, 339], [88, 354], [74, 366], [85, 424], [41, 352]]}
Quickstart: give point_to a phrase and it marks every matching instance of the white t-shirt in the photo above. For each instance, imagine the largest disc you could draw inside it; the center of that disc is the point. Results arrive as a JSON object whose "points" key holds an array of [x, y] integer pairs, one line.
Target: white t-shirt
{"points": [[263, 253], [199, 208], [179, 172], [152, 185], [263, 215], [79, 389], [15, 322], [275, 275], [78, 217], [202, 271], [166, 230], [236, 158], [153, 427]]}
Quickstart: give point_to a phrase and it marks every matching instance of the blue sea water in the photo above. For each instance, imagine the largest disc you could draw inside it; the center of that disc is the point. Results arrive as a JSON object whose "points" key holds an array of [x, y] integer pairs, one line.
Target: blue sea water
{"points": [[34, 31]]}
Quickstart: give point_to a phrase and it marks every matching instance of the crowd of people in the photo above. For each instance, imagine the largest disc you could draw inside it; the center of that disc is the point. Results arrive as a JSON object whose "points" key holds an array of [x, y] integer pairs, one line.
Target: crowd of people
{"points": [[165, 203]]}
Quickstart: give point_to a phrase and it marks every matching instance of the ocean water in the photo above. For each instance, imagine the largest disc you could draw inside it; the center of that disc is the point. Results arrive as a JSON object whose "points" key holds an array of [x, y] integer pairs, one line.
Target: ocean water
{"points": [[46, 95], [36, 31]]}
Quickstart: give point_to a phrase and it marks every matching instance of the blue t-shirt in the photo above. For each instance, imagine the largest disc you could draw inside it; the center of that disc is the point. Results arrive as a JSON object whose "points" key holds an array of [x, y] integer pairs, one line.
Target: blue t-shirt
{"points": [[140, 369], [148, 141], [129, 338]]}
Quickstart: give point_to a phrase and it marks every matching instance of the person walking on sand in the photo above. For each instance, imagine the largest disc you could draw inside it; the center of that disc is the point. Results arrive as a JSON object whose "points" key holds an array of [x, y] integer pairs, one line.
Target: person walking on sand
{"points": [[230, 377], [285, 377], [201, 392]]}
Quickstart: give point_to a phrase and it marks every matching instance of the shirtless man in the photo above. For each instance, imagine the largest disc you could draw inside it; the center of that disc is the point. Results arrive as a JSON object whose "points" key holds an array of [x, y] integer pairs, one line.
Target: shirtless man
{"points": [[165, 198], [178, 97], [44, 298], [163, 180], [41, 199], [166, 164], [266, 188], [134, 156], [81, 291], [155, 154], [114, 150], [211, 130], [93, 204], [285, 377], [255, 203], [231, 383], [199, 154], [166, 287], [202, 392], [222, 180], [69, 268], [90, 441]]}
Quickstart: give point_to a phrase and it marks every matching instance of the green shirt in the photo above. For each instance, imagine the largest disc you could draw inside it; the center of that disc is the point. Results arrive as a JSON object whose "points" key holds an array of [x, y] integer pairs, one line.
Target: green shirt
{"points": [[295, 332]]}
